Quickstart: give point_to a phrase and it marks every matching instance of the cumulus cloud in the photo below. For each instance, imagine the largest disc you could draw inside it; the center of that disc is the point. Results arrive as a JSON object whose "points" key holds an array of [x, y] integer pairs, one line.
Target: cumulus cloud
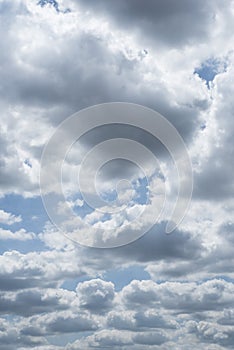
{"points": [[22, 271], [186, 297], [96, 295], [145, 313], [20, 235], [9, 218], [31, 302]]}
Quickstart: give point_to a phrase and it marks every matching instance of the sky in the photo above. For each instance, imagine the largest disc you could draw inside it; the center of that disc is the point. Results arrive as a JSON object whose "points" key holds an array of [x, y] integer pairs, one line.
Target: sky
{"points": [[85, 258]]}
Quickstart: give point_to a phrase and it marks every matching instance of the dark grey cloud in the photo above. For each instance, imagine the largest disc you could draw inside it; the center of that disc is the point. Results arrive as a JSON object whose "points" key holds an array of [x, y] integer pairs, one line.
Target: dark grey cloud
{"points": [[214, 262], [150, 338], [154, 246], [71, 74], [227, 318], [153, 320], [168, 23], [215, 182], [10, 282], [29, 302], [10, 341], [226, 231], [71, 325]]}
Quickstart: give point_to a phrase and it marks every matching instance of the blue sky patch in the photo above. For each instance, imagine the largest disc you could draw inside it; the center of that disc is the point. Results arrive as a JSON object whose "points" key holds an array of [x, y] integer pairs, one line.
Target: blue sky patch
{"points": [[210, 68]]}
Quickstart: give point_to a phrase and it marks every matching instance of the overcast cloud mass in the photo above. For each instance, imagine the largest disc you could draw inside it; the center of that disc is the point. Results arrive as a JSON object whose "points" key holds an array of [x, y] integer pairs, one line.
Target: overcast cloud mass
{"points": [[161, 291]]}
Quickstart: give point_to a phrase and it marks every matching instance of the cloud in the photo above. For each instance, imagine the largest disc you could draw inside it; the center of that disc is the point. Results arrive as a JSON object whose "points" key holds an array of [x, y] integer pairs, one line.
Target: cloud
{"points": [[59, 322], [166, 22], [96, 295], [153, 319], [71, 325], [150, 338], [220, 185], [8, 218], [20, 235], [208, 332], [186, 297], [47, 90], [29, 302], [156, 245], [22, 271], [227, 318], [56, 63], [107, 338], [144, 313]]}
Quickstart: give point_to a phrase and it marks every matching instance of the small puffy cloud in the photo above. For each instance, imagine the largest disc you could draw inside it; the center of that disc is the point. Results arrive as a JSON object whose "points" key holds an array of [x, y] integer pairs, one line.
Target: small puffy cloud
{"points": [[9, 218], [96, 295], [20, 235]]}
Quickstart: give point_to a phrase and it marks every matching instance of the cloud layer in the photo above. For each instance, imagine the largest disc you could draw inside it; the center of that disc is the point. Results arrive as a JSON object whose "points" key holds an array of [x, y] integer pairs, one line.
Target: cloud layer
{"points": [[161, 291]]}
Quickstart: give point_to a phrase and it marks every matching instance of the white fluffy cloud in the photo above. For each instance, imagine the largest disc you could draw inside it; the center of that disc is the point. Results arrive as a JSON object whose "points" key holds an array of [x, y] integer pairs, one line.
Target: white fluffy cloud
{"points": [[20, 235], [8, 218], [96, 295]]}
